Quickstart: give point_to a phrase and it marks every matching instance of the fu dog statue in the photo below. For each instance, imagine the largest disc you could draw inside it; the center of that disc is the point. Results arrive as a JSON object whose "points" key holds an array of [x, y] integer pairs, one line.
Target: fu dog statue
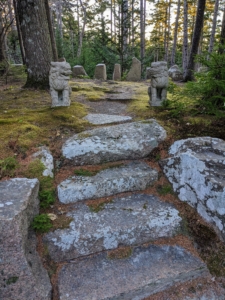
{"points": [[59, 83], [158, 74]]}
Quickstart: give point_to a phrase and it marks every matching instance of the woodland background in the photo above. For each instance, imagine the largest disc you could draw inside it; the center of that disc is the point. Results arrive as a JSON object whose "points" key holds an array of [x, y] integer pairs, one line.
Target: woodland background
{"points": [[89, 32]]}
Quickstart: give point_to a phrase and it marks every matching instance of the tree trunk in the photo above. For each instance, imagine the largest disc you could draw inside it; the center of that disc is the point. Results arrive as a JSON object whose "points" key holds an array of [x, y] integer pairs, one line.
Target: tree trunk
{"points": [[173, 54], [82, 31], [2, 45], [36, 40], [124, 31], [185, 38], [52, 36], [142, 31], [222, 35], [22, 51], [188, 76], [212, 37]]}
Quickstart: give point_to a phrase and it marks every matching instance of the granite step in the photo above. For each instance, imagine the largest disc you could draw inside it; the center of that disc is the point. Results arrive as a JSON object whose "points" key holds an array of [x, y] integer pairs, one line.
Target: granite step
{"points": [[131, 177], [133, 140], [131, 220], [146, 271], [100, 119]]}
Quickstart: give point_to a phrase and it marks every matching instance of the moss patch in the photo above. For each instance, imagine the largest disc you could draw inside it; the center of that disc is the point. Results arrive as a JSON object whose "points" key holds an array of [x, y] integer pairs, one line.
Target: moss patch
{"points": [[120, 253], [26, 119]]}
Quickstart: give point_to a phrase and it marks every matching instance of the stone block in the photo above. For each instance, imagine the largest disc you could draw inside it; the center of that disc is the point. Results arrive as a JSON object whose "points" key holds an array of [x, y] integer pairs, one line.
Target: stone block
{"points": [[78, 71], [118, 142], [147, 271], [22, 275], [100, 119], [135, 71], [100, 72], [117, 72], [132, 177], [130, 220], [175, 73]]}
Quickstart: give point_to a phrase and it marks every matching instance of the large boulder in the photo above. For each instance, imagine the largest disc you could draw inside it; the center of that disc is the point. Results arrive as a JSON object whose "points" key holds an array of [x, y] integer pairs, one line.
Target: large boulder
{"points": [[125, 141], [22, 275], [196, 170]]}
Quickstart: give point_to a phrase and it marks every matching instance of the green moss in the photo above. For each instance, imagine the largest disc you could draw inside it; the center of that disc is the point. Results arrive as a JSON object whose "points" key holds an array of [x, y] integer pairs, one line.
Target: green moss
{"points": [[164, 189], [82, 172], [41, 223], [12, 280], [8, 166], [120, 253], [96, 208]]}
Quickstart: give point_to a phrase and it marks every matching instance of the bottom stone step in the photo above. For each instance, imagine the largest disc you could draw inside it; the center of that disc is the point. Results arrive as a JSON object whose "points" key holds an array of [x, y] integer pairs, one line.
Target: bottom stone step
{"points": [[147, 271]]}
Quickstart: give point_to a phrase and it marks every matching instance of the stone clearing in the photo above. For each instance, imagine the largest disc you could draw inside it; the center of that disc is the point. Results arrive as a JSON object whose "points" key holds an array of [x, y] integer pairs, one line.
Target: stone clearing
{"points": [[132, 177], [19, 261], [130, 220], [196, 170], [118, 142], [100, 119], [147, 271]]}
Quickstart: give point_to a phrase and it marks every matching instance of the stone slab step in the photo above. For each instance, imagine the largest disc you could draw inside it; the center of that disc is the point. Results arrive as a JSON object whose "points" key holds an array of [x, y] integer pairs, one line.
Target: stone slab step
{"points": [[100, 119], [118, 142], [132, 177], [147, 271], [131, 220]]}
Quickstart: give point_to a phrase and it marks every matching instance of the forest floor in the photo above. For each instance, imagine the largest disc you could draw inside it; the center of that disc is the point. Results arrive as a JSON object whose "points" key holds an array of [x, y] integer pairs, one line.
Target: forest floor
{"points": [[27, 121]]}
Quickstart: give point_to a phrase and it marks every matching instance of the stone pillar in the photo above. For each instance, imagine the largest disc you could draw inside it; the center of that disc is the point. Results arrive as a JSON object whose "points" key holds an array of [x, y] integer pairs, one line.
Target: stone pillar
{"points": [[159, 82], [79, 71], [100, 72], [59, 83], [117, 72], [135, 71]]}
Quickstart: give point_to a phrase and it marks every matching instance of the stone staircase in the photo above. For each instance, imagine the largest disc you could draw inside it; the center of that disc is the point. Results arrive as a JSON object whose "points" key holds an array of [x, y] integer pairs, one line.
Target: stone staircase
{"points": [[118, 243], [110, 252]]}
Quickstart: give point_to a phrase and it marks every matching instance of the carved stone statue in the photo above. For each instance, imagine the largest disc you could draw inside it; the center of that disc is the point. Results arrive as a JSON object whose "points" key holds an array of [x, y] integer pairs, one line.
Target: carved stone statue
{"points": [[159, 82], [59, 83]]}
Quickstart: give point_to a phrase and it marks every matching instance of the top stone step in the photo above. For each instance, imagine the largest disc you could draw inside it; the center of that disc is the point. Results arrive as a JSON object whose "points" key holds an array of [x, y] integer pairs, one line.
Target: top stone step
{"points": [[119, 142]]}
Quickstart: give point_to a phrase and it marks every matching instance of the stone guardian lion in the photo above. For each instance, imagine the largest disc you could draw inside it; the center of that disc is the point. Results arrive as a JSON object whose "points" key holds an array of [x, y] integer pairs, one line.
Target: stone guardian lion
{"points": [[59, 83]]}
